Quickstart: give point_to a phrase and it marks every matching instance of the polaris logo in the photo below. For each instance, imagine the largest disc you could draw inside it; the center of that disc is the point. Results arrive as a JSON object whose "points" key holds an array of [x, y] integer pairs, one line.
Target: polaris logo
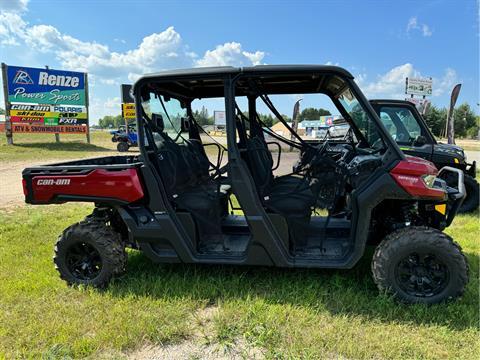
{"points": [[58, 80], [53, 182]]}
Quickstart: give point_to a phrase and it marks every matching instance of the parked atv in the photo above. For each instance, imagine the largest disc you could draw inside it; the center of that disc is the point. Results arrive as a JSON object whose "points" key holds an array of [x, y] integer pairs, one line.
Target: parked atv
{"points": [[176, 205], [122, 129], [414, 137], [125, 139]]}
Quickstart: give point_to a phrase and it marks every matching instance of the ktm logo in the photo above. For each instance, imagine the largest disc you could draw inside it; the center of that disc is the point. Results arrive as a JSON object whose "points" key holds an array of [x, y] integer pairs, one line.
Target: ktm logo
{"points": [[22, 77], [53, 182]]}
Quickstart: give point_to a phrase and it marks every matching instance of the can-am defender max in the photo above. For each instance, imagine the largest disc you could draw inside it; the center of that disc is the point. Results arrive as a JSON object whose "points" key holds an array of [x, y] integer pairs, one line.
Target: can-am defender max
{"points": [[177, 205], [410, 131]]}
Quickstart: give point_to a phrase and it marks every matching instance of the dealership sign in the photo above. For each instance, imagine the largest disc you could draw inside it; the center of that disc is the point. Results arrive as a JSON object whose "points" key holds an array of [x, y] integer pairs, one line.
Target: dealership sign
{"points": [[51, 129], [45, 100], [418, 86], [42, 86], [219, 118]]}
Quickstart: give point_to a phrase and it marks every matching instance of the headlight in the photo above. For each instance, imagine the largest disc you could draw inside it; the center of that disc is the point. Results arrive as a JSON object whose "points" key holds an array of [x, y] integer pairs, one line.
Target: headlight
{"points": [[429, 180]]}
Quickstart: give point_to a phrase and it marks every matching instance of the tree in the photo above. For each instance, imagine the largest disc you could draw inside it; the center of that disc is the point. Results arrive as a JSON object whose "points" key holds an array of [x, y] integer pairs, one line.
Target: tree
{"points": [[436, 119], [202, 117], [312, 114], [2, 111], [268, 120], [110, 121], [465, 118]]}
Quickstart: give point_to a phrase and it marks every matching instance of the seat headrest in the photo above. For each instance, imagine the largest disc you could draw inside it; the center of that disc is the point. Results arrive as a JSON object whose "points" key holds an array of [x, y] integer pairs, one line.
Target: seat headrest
{"points": [[157, 121]]}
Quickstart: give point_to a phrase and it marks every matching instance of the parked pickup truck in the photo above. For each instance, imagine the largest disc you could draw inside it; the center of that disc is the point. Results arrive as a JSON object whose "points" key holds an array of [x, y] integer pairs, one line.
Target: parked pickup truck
{"points": [[411, 132]]}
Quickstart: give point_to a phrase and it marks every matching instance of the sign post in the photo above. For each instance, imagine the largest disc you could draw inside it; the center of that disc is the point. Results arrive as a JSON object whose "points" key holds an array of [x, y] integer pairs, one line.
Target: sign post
{"points": [[8, 124], [86, 106], [128, 104], [45, 101]]}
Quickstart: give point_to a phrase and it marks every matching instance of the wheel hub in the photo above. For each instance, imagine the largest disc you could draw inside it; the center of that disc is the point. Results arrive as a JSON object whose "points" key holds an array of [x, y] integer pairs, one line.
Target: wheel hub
{"points": [[83, 261], [421, 275]]}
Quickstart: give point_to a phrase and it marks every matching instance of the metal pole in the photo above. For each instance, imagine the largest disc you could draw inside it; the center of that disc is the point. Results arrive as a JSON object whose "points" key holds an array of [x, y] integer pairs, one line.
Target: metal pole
{"points": [[8, 123], [86, 107]]}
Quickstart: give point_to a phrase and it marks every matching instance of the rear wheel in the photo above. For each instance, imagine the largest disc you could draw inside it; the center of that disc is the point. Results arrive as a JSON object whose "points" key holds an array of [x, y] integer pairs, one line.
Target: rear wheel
{"points": [[90, 253], [420, 265], [122, 146]]}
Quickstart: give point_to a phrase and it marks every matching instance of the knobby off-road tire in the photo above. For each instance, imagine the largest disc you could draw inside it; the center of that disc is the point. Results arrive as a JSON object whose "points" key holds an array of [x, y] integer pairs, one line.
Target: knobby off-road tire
{"points": [[122, 146], [90, 253], [420, 265]]}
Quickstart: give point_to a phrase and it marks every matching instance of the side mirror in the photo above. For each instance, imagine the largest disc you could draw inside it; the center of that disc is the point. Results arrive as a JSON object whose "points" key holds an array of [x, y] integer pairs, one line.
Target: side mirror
{"points": [[184, 124], [420, 141]]}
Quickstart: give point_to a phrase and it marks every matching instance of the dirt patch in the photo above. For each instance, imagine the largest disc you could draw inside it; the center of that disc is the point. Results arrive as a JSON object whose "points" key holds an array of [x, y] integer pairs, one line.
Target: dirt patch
{"points": [[201, 345], [11, 191], [195, 350]]}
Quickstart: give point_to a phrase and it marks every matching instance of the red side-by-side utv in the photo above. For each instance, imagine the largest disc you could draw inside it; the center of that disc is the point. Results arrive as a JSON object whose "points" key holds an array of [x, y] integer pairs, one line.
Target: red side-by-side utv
{"points": [[175, 204]]}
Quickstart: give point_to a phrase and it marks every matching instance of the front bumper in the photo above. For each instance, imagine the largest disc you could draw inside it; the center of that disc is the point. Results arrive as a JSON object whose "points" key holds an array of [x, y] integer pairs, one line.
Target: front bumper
{"points": [[471, 169], [456, 194]]}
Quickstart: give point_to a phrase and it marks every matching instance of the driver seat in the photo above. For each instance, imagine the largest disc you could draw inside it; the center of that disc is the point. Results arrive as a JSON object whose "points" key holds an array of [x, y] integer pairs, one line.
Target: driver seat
{"points": [[289, 196]]}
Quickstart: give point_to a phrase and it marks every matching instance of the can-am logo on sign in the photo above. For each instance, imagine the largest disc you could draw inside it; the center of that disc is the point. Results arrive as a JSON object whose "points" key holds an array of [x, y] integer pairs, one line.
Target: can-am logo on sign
{"points": [[53, 182]]}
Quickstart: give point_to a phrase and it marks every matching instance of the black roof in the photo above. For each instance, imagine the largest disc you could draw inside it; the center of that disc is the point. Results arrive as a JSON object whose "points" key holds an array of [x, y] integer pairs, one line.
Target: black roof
{"points": [[208, 81], [225, 70]]}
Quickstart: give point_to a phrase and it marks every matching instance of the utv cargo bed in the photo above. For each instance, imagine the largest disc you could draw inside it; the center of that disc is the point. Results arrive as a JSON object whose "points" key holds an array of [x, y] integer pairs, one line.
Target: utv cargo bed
{"points": [[112, 179]]}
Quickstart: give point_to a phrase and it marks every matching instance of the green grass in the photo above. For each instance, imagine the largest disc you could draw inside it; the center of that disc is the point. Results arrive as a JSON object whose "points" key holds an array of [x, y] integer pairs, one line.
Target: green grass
{"points": [[288, 313], [43, 146], [36, 147]]}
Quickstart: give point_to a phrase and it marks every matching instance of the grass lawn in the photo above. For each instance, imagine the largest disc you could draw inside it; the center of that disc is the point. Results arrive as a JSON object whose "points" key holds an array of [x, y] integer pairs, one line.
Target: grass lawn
{"points": [[37, 146], [466, 144], [286, 313]]}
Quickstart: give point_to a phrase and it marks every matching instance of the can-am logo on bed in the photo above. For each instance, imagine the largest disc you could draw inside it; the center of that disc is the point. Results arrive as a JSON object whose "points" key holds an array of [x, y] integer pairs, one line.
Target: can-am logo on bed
{"points": [[53, 182], [45, 86]]}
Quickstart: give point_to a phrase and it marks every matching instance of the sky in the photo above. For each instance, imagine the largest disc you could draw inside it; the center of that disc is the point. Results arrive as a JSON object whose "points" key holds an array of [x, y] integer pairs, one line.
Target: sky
{"points": [[379, 42]]}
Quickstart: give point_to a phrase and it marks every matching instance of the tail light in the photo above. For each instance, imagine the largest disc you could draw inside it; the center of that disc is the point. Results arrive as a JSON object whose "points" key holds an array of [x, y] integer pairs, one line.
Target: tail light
{"points": [[24, 184], [417, 177]]}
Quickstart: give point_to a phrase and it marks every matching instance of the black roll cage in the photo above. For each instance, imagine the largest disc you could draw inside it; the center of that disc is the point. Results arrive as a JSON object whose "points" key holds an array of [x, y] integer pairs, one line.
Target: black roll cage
{"points": [[267, 241], [230, 78]]}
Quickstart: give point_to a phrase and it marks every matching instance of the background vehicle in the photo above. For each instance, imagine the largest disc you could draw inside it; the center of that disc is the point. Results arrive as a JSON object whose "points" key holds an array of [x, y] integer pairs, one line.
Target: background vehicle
{"points": [[125, 139], [176, 205], [412, 134]]}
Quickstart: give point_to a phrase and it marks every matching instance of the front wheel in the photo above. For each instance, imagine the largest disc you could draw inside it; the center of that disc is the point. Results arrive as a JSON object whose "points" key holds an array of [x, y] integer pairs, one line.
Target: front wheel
{"points": [[420, 265]]}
